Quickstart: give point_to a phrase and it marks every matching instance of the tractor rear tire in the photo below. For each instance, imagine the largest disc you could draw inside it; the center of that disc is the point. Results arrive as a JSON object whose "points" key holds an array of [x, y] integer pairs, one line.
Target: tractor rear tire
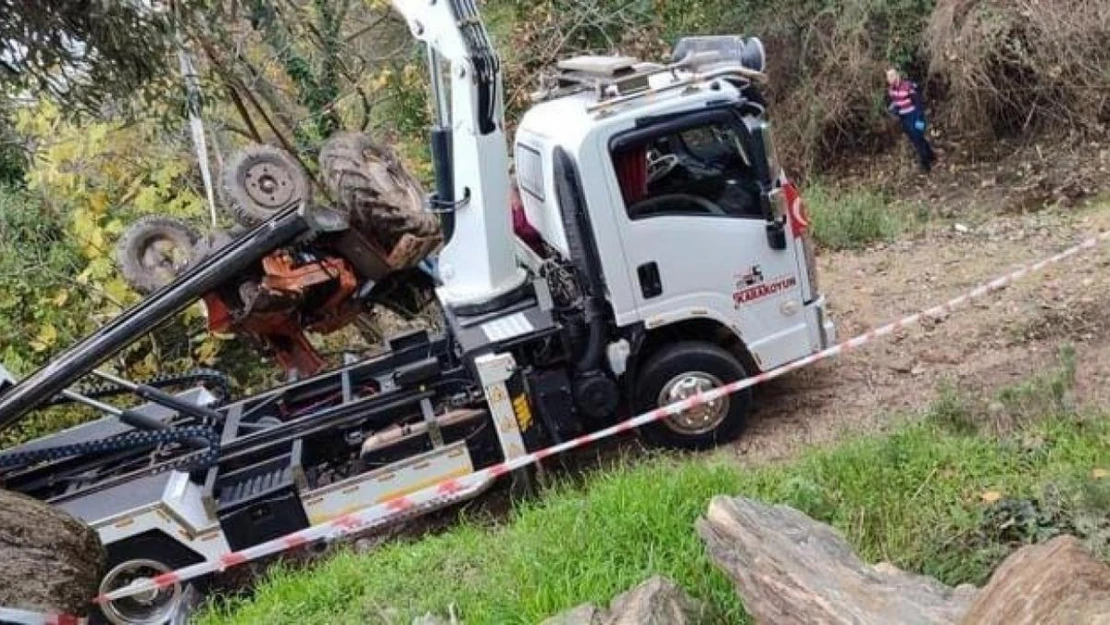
{"points": [[368, 182], [52, 561], [141, 250]]}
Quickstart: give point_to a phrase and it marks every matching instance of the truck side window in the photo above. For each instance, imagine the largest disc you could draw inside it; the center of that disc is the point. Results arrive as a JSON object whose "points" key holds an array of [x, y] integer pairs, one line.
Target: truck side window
{"points": [[699, 171]]}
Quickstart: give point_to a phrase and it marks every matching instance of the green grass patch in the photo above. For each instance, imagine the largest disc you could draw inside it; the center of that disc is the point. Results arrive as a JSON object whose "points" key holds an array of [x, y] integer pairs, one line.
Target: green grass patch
{"points": [[852, 219], [914, 498]]}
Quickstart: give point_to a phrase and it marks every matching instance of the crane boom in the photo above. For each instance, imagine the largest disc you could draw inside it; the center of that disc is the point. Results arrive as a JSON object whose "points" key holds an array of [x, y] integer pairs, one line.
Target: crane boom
{"points": [[478, 263]]}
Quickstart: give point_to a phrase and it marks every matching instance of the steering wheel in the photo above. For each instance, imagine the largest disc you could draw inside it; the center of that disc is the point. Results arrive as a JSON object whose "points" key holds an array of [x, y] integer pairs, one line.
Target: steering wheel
{"points": [[660, 165], [679, 203]]}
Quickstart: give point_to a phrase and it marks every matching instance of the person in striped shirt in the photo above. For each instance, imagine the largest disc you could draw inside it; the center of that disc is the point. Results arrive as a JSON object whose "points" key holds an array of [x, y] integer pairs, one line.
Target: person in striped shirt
{"points": [[904, 102]]}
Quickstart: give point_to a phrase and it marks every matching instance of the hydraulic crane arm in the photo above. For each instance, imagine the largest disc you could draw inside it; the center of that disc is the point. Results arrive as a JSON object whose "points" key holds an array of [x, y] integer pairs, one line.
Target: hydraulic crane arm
{"points": [[478, 265]]}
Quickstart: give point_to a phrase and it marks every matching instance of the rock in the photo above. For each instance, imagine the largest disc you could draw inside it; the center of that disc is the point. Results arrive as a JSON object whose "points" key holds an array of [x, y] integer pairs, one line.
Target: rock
{"points": [[586, 614], [1054, 583], [791, 570], [657, 601], [904, 365], [52, 561], [432, 619]]}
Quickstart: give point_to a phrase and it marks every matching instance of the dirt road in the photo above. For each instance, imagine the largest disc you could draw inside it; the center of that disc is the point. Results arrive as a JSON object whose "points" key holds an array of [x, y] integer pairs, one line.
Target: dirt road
{"points": [[985, 346]]}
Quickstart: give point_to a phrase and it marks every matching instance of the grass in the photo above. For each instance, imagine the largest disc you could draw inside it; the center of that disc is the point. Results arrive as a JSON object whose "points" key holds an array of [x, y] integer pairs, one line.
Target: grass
{"points": [[852, 219], [914, 497]]}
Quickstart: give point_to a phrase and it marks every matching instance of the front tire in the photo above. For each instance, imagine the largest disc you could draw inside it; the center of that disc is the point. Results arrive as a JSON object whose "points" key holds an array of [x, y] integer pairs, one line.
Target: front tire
{"points": [[679, 371]]}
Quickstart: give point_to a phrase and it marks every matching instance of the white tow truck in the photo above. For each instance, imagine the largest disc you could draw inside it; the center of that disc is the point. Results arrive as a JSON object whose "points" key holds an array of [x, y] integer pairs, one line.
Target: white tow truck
{"points": [[673, 257]]}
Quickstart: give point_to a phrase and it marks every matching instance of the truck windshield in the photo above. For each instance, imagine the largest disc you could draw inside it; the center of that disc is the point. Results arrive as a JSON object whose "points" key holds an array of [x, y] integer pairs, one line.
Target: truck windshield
{"points": [[701, 170]]}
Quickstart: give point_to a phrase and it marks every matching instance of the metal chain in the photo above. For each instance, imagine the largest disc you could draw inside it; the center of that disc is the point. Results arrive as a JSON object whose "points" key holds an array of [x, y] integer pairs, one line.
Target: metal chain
{"points": [[220, 385], [191, 462]]}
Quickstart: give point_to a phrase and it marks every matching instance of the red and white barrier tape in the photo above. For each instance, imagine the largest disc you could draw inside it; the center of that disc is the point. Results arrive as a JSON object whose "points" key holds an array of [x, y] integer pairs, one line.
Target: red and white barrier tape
{"points": [[27, 617], [380, 514]]}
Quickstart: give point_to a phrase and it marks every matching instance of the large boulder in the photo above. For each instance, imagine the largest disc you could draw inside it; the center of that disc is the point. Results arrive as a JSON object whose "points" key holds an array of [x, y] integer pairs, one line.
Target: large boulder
{"points": [[1055, 583], [792, 570], [52, 562]]}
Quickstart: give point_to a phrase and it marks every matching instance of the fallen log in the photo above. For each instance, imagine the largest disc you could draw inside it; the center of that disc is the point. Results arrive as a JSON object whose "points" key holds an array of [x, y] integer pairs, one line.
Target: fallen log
{"points": [[791, 570], [52, 562]]}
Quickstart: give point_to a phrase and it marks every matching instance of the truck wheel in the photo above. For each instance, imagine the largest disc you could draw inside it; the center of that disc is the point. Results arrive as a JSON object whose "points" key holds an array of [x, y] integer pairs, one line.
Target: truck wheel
{"points": [[146, 557], [154, 250], [679, 371], [367, 181]]}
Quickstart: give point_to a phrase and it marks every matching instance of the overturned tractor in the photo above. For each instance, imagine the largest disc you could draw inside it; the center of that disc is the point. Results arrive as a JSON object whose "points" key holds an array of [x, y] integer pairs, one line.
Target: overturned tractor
{"points": [[321, 286]]}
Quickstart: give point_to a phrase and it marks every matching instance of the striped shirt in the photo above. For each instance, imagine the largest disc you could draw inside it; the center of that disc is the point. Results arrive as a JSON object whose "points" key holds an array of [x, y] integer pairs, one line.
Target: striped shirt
{"points": [[902, 96]]}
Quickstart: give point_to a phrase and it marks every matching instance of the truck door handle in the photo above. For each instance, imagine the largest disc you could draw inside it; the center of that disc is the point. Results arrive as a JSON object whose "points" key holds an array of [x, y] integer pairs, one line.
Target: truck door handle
{"points": [[650, 283]]}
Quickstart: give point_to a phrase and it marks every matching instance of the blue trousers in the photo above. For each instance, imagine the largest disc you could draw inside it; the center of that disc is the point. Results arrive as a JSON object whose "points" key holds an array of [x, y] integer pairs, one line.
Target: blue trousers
{"points": [[913, 124]]}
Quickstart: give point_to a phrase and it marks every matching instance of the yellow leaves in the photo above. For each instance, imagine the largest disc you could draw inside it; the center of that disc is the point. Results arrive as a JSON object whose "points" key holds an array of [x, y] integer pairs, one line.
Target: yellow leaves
{"points": [[47, 337], [1100, 474], [118, 291], [379, 82], [98, 203], [147, 367], [60, 298], [207, 351]]}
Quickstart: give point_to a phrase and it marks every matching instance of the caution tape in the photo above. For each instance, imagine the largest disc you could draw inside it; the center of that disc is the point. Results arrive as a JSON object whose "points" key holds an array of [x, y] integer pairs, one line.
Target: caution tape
{"points": [[27, 617], [389, 511]]}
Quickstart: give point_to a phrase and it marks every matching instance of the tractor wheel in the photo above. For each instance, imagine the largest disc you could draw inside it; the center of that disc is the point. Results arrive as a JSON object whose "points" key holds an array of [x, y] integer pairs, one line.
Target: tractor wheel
{"points": [[367, 181], [680, 371], [154, 250], [260, 181], [52, 561]]}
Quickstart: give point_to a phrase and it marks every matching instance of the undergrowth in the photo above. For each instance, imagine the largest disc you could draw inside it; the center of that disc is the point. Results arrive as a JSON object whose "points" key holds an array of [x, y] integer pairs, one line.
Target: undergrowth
{"points": [[852, 219], [951, 504]]}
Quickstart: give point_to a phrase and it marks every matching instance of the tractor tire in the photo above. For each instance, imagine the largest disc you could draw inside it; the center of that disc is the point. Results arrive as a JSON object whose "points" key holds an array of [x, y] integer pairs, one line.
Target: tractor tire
{"points": [[260, 181], [52, 561], [154, 250], [384, 202]]}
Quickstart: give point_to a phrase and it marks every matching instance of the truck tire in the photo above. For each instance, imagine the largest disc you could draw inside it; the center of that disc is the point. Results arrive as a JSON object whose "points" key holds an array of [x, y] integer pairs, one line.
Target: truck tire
{"points": [[676, 372], [147, 555], [52, 561], [368, 182], [154, 250]]}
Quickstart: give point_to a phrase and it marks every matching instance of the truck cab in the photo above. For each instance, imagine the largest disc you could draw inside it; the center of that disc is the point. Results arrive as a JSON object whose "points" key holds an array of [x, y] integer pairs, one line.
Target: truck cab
{"points": [[700, 236]]}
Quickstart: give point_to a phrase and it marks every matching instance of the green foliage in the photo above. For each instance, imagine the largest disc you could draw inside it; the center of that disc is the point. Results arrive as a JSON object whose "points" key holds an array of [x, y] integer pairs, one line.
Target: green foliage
{"points": [[58, 277], [851, 219], [911, 498]]}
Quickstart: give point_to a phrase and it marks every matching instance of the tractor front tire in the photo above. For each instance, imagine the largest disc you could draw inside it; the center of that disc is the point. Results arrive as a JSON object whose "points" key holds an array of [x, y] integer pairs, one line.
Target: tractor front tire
{"points": [[154, 250]]}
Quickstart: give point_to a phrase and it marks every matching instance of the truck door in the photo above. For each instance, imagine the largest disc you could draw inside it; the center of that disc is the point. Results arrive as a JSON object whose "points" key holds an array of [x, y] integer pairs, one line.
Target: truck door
{"points": [[694, 229]]}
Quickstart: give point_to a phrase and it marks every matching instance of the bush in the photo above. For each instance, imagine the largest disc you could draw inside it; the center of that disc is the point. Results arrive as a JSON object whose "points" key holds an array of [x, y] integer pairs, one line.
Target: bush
{"points": [[1011, 67], [850, 219]]}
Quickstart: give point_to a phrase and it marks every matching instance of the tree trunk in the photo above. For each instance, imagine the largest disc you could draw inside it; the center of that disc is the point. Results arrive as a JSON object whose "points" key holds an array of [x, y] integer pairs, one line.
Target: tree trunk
{"points": [[792, 570], [1055, 583], [52, 562]]}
